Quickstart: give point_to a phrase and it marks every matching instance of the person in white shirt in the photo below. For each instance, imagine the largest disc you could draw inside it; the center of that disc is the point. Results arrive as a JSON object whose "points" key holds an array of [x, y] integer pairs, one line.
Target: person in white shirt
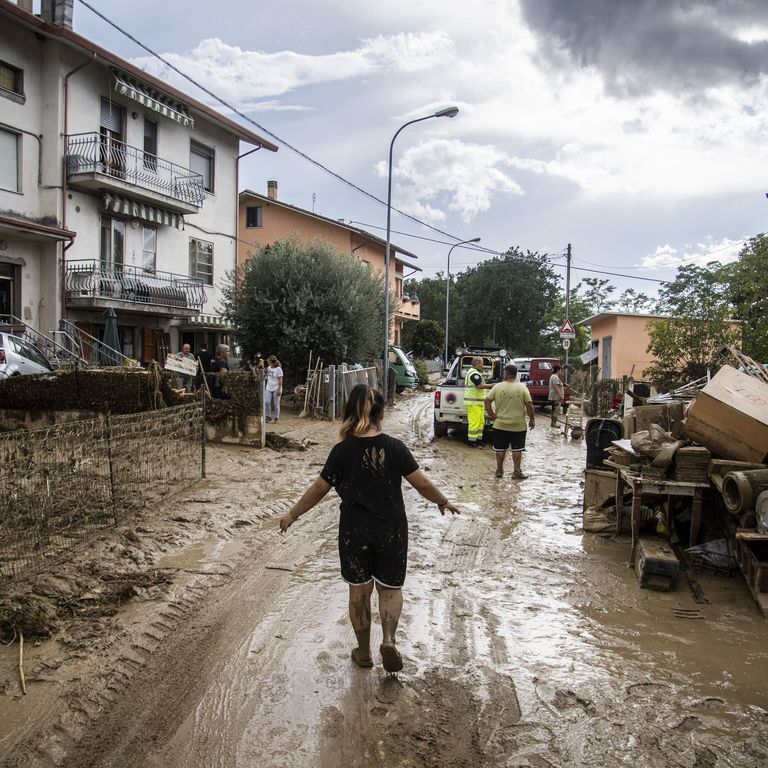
{"points": [[274, 389]]}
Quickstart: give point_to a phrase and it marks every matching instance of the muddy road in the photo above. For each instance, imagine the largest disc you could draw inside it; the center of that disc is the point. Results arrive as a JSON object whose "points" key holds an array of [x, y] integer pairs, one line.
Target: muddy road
{"points": [[526, 643]]}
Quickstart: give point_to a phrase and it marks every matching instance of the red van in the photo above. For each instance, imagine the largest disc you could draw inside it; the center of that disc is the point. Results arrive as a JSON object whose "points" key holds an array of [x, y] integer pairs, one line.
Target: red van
{"points": [[534, 372]]}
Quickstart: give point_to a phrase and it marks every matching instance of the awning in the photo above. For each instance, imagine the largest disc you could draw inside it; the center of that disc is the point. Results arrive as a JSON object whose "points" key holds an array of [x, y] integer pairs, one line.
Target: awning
{"points": [[136, 210], [589, 356], [125, 85], [209, 321]]}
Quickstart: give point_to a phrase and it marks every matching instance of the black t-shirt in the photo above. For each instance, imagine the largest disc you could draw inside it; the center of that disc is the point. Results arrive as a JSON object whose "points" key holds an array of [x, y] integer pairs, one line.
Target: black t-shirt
{"points": [[219, 364], [366, 473]]}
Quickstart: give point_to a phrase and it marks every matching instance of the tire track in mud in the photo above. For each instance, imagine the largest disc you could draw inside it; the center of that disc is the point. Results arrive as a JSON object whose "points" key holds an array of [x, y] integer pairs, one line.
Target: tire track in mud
{"points": [[160, 681]]}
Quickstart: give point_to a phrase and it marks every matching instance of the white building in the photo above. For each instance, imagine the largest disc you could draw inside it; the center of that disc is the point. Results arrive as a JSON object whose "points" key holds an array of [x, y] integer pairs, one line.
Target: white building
{"points": [[116, 191]]}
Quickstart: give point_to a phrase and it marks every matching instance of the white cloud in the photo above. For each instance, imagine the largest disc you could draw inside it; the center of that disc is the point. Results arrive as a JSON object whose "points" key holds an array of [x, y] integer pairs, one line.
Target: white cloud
{"points": [[725, 251], [242, 76], [467, 175]]}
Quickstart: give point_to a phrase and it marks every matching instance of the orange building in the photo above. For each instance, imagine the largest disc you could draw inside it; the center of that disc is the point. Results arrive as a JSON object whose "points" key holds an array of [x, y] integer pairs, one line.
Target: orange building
{"points": [[263, 219], [620, 343]]}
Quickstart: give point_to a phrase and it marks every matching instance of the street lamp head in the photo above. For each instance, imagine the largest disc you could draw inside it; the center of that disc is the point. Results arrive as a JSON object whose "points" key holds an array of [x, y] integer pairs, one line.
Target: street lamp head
{"points": [[474, 240], [447, 112]]}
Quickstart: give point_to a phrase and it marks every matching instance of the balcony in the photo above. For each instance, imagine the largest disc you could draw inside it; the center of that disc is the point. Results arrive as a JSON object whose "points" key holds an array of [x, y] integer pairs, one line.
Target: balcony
{"points": [[98, 285], [409, 309], [96, 162]]}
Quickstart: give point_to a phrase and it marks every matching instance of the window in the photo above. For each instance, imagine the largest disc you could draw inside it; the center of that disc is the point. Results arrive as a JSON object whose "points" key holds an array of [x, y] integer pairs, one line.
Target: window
{"points": [[149, 258], [201, 160], [201, 260], [9, 160], [150, 145], [11, 82], [112, 242], [253, 216]]}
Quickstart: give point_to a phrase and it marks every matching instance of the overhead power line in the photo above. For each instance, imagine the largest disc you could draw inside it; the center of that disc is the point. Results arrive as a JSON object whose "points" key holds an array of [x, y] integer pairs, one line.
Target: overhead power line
{"points": [[262, 128]]}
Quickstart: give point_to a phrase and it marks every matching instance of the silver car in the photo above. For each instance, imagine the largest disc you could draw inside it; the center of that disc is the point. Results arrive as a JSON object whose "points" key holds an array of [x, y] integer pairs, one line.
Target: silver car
{"points": [[18, 356]]}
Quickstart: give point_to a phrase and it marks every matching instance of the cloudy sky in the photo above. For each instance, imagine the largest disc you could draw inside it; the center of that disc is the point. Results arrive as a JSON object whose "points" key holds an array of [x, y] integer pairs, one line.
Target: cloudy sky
{"points": [[633, 129]]}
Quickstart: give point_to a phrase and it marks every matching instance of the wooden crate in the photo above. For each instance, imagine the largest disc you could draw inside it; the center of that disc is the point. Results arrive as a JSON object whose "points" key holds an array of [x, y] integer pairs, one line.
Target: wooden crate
{"points": [[752, 554]]}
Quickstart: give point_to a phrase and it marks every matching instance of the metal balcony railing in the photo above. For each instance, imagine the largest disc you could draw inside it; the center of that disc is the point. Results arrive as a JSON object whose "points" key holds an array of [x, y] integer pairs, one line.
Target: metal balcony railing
{"points": [[95, 153], [99, 280]]}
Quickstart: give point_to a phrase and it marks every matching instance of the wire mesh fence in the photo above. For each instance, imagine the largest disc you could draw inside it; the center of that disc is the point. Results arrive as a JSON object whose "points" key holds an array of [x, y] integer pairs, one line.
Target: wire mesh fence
{"points": [[62, 485]]}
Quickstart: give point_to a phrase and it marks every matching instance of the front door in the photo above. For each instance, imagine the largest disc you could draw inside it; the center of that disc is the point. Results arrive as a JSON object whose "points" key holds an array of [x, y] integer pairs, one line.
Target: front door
{"points": [[605, 362], [7, 290]]}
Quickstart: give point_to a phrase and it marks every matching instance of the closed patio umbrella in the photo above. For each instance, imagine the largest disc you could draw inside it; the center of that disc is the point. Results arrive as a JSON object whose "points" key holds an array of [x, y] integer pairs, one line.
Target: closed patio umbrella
{"points": [[109, 350]]}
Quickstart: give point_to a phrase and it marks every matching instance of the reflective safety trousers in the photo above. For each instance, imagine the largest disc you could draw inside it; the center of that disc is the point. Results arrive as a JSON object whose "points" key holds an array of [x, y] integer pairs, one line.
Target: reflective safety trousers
{"points": [[475, 422]]}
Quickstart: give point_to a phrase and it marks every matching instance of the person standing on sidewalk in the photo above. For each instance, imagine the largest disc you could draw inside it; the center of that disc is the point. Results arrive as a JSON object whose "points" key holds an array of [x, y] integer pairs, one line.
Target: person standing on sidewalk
{"points": [[274, 389], [556, 393], [513, 402], [365, 467], [474, 400]]}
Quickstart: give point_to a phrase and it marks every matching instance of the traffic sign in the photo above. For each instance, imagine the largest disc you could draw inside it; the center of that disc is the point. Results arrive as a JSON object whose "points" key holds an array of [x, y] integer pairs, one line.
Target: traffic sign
{"points": [[566, 343], [567, 331]]}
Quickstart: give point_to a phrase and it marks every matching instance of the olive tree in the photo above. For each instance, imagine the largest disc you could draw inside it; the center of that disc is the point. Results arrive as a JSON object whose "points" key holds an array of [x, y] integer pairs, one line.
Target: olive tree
{"points": [[293, 296]]}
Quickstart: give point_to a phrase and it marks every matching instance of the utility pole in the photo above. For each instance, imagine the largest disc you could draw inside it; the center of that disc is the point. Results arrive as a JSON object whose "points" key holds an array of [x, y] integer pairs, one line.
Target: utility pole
{"points": [[567, 304]]}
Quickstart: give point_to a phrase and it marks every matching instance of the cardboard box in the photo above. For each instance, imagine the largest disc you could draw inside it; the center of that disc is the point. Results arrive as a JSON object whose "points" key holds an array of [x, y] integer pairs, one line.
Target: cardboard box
{"points": [[730, 416]]}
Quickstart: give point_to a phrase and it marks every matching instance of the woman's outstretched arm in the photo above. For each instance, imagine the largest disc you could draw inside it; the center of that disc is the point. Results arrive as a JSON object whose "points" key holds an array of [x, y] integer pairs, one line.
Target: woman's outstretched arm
{"points": [[309, 498], [430, 491]]}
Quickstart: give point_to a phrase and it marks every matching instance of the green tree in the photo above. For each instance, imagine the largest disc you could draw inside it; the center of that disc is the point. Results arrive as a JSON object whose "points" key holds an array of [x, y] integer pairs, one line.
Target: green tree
{"points": [[634, 301], [425, 338], [747, 281], [431, 292], [690, 341], [504, 301], [597, 294], [294, 296]]}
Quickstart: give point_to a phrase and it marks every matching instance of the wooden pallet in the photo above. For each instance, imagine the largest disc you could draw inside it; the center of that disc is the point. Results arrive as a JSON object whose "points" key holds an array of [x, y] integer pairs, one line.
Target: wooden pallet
{"points": [[752, 554]]}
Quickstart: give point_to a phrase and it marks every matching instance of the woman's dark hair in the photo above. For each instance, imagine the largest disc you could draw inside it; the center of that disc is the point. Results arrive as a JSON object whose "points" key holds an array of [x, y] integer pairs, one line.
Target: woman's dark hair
{"points": [[273, 361], [363, 410]]}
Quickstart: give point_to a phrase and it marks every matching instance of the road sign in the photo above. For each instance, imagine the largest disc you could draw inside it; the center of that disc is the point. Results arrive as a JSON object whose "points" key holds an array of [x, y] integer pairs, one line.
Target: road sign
{"points": [[567, 331], [566, 343]]}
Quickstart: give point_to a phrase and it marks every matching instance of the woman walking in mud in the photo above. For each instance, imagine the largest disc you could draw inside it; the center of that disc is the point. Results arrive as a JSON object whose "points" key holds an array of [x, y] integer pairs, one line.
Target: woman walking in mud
{"points": [[365, 467]]}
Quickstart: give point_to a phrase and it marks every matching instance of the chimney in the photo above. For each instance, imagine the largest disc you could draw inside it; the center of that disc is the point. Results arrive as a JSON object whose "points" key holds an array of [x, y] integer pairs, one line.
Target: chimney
{"points": [[58, 12], [25, 5], [272, 190]]}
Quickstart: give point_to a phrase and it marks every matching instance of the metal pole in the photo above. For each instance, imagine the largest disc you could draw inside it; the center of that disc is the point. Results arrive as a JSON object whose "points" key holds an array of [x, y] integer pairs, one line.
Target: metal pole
{"points": [[448, 112], [567, 305], [448, 291]]}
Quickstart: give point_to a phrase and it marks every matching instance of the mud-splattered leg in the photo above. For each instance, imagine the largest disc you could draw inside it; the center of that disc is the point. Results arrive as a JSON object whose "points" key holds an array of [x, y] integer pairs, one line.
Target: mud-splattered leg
{"points": [[360, 617], [390, 608]]}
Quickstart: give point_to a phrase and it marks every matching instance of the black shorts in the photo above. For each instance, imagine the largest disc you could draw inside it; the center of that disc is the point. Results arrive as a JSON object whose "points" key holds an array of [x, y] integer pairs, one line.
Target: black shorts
{"points": [[504, 440], [370, 548]]}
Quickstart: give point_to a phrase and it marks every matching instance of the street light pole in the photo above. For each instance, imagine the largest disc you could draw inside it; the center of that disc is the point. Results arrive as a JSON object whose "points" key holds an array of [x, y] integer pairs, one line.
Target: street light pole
{"points": [[448, 291], [447, 112]]}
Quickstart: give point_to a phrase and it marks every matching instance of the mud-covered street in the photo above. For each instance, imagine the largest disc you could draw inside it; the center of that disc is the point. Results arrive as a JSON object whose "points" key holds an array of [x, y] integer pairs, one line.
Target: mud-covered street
{"points": [[526, 642]]}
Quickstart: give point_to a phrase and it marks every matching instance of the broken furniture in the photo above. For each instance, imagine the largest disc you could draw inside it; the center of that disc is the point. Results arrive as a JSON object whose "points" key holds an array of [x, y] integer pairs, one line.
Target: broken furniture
{"points": [[641, 486], [656, 565], [752, 554]]}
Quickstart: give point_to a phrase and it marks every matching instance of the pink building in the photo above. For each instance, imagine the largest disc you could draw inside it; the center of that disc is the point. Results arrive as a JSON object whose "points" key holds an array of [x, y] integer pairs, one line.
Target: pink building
{"points": [[620, 343], [264, 219]]}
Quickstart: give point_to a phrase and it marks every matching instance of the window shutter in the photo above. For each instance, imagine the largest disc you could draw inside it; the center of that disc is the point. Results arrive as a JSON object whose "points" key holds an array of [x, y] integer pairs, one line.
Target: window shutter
{"points": [[112, 116], [9, 160]]}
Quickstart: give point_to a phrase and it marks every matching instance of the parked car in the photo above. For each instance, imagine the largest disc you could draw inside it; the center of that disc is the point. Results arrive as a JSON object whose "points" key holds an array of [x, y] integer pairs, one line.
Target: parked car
{"points": [[18, 356], [405, 373], [535, 373]]}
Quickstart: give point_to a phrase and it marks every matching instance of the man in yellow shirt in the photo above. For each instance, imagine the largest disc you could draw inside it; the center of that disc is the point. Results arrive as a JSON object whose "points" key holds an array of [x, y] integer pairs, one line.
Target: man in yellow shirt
{"points": [[513, 402]]}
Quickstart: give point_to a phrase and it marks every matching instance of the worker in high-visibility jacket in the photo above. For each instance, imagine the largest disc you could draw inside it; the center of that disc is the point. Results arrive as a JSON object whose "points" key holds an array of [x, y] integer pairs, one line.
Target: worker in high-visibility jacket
{"points": [[474, 400]]}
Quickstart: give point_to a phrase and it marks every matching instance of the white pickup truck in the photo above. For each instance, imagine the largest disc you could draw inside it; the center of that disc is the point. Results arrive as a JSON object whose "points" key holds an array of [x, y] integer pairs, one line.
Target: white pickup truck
{"points": [[450, 411]]}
